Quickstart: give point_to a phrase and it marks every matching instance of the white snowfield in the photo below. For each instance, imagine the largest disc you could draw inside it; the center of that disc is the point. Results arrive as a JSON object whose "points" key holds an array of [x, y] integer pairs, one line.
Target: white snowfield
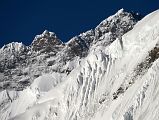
{"points": [[117, 82]]}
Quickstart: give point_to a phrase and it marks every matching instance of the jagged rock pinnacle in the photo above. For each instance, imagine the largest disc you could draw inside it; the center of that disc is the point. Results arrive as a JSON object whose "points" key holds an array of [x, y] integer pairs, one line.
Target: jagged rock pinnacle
{"points": [[46, 41]]}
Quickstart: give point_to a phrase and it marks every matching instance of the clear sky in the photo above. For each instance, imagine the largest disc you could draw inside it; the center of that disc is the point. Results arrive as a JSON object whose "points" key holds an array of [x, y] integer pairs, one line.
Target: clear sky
{"points": [[21, 20]]}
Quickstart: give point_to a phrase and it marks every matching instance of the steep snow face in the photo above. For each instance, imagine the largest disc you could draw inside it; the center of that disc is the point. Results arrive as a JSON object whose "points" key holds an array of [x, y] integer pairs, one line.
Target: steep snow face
{"points": [[134, 79], [99, 74], [117, 82]]}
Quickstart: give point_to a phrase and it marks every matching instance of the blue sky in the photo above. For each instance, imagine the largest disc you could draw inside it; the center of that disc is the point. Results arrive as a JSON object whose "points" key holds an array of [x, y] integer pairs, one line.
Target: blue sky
{"points": [[21, 20]]}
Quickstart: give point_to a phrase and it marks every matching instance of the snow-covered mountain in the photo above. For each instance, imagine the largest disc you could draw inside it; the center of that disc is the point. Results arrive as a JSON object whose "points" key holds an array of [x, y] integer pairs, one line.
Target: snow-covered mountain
{"points": [[110, 72]]}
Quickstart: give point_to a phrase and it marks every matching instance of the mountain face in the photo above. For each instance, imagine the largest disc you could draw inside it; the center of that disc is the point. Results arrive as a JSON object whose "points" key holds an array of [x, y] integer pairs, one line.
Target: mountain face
{"points": [[110, 72], [47, 53]]}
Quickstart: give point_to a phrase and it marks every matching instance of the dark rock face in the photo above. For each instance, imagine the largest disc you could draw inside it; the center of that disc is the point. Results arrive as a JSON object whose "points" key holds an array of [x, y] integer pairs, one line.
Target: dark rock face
{"points": [[117, 25], [20, 64], [79, 45], [46, 42]]}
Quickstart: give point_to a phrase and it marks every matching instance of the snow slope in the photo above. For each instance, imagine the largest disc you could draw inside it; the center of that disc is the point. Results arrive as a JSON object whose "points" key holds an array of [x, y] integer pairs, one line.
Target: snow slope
{"points": [[139, 101], [117, 80]]}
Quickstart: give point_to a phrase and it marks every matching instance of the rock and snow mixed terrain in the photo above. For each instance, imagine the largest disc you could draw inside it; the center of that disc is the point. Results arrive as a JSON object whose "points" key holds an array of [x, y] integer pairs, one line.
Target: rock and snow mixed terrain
{"points": [[107, 73]]}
